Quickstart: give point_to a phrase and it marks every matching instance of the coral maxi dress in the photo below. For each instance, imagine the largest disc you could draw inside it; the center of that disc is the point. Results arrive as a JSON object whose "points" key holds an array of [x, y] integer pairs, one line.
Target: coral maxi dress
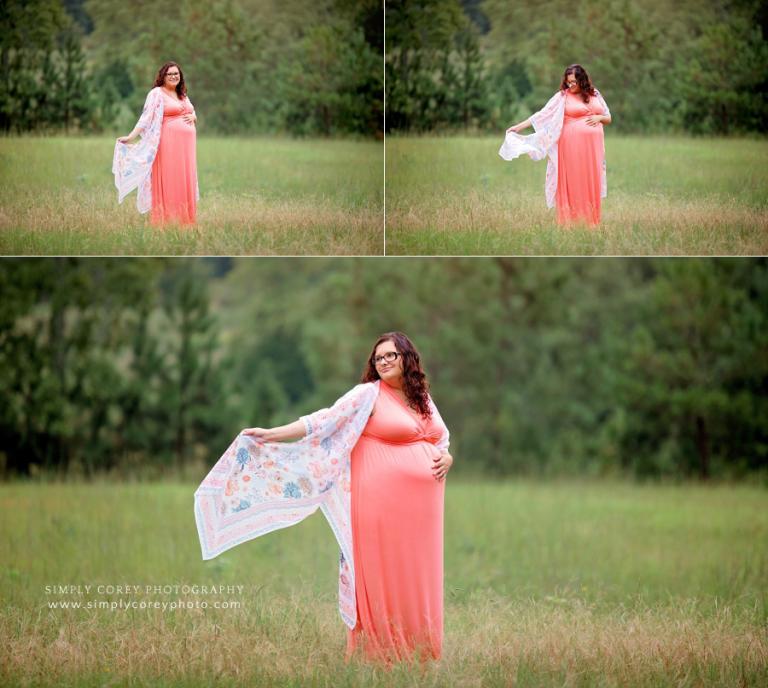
{"points": [[174, 171], [397, 531], [580, 160]]}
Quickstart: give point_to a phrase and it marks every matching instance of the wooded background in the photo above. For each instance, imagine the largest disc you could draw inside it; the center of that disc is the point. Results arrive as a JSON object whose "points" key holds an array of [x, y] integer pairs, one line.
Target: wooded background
{"points": [[691, 65], [301, 67], [607, 367], [307, 67]]}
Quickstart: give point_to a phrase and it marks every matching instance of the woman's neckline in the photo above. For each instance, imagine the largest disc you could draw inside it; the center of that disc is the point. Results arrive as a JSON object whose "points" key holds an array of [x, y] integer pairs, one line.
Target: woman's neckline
{"points": [[411, 412], [167, 94]]}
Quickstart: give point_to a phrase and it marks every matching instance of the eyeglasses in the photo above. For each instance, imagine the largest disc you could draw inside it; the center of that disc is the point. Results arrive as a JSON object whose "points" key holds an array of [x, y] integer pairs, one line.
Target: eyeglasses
{"points": [[388, 357], [169, 74]]}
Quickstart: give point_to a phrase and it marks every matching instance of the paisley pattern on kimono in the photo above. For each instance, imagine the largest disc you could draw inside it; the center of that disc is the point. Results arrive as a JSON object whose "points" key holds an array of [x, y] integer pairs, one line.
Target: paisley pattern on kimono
{"points": [[257, 487], [548, 124]]}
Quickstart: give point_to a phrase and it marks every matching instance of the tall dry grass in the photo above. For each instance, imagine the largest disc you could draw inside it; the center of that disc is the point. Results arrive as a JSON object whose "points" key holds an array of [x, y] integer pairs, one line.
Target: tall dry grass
{"points": [[227, 225], [489, 641], [517, 224]]}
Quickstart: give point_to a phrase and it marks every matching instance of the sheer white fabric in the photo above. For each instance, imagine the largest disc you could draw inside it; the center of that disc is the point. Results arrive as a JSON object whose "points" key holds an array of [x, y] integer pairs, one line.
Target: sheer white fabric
{"points": [[132, 162], [548, 125]]}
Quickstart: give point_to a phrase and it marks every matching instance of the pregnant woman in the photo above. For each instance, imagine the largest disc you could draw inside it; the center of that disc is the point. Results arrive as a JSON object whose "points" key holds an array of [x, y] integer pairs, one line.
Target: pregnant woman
{"points": [[162, 165], [375, 463], [569, 131]]}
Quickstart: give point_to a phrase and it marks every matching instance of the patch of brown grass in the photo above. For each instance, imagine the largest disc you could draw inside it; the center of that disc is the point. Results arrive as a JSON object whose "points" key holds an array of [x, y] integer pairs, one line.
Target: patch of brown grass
{"points": [[242, 225], [489, 640], [516, 224]]}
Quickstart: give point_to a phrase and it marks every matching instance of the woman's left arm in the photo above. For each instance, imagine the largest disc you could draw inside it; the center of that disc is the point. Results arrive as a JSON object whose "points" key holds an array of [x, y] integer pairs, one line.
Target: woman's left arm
{"points": [[594, 120], [606, 117], [190, 117], [441, 464]]}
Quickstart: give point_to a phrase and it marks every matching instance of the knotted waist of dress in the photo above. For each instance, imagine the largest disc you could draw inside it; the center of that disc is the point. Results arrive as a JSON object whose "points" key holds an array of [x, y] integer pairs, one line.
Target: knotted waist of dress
{"points": [[400, 443]]}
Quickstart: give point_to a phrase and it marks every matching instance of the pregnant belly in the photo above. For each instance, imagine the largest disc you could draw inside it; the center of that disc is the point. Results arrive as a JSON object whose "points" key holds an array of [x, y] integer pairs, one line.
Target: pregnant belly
{"points": [[177, 128], [409, 460], [578, 127]]}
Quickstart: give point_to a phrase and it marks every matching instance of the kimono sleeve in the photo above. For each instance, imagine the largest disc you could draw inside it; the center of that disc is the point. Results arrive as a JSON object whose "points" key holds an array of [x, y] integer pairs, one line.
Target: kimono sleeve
{"points": [[602, 102], [147, 113], [325, 421], [444, 441], [543, 117]]}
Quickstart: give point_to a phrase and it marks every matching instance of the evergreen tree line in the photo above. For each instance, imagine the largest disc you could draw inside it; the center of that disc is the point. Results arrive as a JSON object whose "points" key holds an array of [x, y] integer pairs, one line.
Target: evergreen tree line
{"points": [[692, 66], [299, 67], [640, 367]]}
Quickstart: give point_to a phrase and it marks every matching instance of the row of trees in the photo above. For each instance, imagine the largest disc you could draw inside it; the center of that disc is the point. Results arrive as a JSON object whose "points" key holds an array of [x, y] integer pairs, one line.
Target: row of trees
{"points": [[295, 66], [106, 363], [560, 366], [485, 64], [44, 77], [315, 66]]}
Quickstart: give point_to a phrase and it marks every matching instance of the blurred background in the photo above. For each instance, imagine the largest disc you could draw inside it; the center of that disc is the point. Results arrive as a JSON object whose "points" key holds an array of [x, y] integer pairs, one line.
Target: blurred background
{"points": [[636, 368], [300, 67], [692, 66]]}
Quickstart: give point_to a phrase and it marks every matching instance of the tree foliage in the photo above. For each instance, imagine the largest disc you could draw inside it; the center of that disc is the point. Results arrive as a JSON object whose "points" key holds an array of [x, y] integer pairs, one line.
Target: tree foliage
{"points": [[106, 364], [651, 368], [291, 66], [698, 67], [43, 83]]}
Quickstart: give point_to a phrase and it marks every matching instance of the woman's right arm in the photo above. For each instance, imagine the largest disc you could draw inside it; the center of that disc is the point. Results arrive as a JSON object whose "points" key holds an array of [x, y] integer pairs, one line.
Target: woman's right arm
{"points": [[132, 135], [519, 127], [146, 114], [320, 423], [292, 431]]}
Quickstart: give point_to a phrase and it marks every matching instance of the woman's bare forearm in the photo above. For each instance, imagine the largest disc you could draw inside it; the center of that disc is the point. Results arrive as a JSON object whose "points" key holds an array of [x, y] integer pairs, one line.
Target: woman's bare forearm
{"points": [[519, 127], [292, 431]]}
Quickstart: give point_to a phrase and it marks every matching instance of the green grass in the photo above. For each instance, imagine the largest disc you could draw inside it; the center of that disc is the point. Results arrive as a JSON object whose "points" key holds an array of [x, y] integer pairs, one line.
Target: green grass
{"points": [[567, 583], [668, 196], [257, 197]]}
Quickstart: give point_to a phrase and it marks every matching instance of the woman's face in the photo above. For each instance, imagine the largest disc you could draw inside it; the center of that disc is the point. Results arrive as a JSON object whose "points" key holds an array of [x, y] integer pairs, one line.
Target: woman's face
{"points": [[573, 85], [172, 77], [389, 371]]}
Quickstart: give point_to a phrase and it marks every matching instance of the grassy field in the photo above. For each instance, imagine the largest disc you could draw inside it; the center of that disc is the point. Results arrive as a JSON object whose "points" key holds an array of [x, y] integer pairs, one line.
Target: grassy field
{"points": [[560, 584], [666, 196], [257, 197]]}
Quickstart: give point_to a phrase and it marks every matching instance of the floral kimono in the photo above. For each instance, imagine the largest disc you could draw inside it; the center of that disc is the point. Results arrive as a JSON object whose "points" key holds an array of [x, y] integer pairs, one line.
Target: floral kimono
{"points": [[132, 162], [257, 487], [548, 123]]}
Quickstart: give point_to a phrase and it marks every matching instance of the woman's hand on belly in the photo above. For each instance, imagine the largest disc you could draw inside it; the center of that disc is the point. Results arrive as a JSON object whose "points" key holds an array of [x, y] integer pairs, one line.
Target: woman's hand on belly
{"points": [[189, 118], [593, 120], [441, 465]]}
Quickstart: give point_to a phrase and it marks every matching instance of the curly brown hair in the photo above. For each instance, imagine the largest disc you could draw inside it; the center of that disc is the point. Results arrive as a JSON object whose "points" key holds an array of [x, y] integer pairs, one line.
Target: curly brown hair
{"points": [[582, 79], [415, 383], [181, 87]]}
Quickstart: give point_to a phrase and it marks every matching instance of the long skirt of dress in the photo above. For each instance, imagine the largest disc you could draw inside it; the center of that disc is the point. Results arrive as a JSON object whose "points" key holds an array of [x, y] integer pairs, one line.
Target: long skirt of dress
{"points": [[397, 531], [580, 156], [174, 171]]}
